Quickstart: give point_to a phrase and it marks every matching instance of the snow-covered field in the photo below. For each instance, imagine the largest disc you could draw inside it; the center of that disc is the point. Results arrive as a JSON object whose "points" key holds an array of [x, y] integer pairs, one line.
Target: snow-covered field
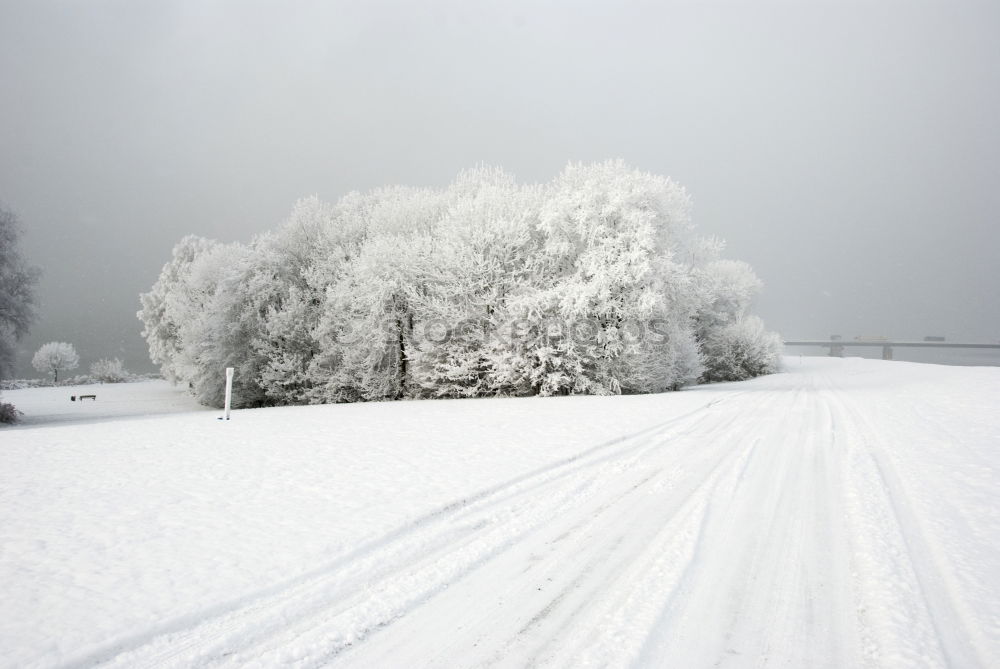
{"points": [[50, 406], [842, 513]]}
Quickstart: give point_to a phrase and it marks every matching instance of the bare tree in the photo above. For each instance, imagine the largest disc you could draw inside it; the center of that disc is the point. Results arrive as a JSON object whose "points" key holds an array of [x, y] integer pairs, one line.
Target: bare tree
{"points": [[17, 290]]}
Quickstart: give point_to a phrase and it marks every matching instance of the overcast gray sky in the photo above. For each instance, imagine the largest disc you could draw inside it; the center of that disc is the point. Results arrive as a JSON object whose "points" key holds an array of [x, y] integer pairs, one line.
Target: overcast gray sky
{"points": [[850, 151]]}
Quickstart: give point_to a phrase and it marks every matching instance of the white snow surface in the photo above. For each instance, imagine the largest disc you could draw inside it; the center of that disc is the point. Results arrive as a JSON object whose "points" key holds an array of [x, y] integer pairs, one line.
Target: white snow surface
{"points": [[843, 513], [52, 405]]}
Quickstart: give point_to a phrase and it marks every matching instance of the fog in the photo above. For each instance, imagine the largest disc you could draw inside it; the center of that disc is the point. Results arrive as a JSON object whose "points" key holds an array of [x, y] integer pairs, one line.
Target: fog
{"points": [[849, 151]]}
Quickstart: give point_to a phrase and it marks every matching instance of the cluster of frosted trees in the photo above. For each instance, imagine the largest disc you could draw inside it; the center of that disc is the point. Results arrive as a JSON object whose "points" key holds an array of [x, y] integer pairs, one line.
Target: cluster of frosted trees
{"points": [[593, 283]]}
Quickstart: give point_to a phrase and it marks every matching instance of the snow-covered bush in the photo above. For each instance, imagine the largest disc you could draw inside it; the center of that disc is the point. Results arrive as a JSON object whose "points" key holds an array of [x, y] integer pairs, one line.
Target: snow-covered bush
{"points": [[8, 414], [109, 371], [55, 356], [741, 350], [593, 283], [20, 384]]}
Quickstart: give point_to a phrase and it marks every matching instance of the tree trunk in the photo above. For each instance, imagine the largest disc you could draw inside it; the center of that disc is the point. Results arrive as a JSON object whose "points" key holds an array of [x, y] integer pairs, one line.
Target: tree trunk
{"points": [[404, 328], [401, 360]]}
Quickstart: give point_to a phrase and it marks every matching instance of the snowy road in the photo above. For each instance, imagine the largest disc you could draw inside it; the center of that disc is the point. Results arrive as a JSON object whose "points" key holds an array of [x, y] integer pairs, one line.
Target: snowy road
{"points": [[842, 514]]}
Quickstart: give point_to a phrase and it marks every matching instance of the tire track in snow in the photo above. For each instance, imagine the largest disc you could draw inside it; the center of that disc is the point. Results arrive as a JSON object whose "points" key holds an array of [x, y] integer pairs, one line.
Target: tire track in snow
{"points": [[790, 527], [209, 634], [541, 519], [635, 583], [604, 542], [755, 594], [921, 579]]}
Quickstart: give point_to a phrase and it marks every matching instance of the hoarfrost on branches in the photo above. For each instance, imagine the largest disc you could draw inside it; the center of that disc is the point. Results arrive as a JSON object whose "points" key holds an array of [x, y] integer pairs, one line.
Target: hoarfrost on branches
{"points": [[109, 370], [55, 356], [17, 290], [596, 282], [741, 350]]}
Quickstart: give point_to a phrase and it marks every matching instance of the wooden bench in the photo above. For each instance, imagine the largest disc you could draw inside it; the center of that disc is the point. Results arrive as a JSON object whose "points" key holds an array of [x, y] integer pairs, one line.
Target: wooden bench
{"points": [[72, 398]]}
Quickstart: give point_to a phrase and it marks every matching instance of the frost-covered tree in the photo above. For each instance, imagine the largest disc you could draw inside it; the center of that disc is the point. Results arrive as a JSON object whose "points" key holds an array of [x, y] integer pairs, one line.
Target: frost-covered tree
{"points": [[290, 273], [368, 320], [477, 259], [170, 303], [286, 346], [735, 346], [193, 317], [728, 288], [17, 290], [218, 330], [55, 356], [367, 326], [610, 235], [593, 283]]}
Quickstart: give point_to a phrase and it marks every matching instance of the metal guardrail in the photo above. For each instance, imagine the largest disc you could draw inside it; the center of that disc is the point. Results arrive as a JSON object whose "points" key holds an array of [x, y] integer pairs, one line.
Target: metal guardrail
{"points": [[923, 344], [837, 346]]}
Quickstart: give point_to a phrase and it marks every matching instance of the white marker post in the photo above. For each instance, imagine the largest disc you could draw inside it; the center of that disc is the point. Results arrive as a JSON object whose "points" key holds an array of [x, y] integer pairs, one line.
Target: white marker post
{"points": [[229, 389]]}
